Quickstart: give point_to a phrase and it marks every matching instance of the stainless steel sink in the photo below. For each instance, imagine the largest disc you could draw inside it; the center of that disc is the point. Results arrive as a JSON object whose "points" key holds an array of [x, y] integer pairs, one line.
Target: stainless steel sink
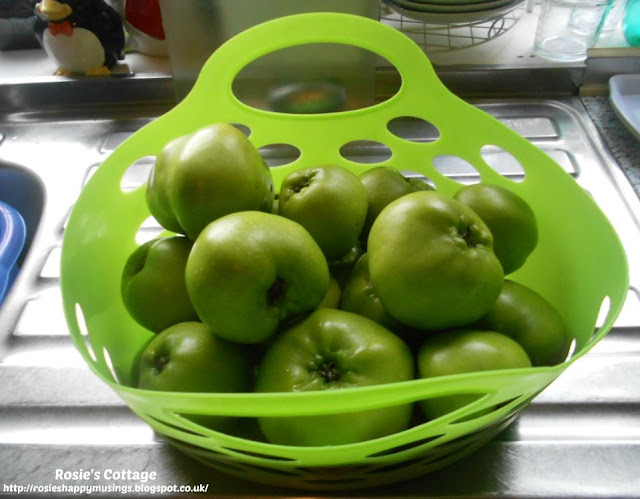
{"points": [[580, 437]]}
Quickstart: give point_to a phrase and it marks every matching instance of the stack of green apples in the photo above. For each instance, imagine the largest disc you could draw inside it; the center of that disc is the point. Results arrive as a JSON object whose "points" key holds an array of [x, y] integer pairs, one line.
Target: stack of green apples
{"points": [[336, 281]]}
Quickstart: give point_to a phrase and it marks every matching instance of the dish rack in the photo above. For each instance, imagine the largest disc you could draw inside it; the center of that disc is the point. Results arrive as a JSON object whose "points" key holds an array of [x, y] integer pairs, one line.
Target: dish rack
{"points": [[435, 37]]}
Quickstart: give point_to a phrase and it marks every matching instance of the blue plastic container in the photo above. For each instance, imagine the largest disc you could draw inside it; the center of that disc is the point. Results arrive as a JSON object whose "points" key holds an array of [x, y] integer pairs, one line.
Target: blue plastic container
{"points": [[13, 234]]}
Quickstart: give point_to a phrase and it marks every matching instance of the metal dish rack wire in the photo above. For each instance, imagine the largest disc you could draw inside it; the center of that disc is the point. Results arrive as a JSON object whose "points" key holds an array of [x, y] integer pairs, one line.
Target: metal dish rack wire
{"points": [[435, 37]]}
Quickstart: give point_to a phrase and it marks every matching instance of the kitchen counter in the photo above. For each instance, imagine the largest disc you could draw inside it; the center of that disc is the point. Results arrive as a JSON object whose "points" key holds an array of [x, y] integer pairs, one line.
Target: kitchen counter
{"points": [[34, 63], [624, 147]]}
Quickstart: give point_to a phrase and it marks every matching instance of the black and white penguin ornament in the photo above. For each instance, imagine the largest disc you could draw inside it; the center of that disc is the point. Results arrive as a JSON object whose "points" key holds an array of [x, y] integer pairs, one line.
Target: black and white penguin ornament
{"points": [[82, 37]]}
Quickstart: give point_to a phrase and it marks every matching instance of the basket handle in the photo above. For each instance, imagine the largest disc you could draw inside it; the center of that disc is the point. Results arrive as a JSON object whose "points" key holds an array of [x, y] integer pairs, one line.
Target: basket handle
{"points": [[220, 70]]}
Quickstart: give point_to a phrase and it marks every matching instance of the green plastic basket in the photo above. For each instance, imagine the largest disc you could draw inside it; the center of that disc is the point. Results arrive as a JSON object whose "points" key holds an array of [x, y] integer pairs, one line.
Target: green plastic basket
{"points": [[101, 234]]}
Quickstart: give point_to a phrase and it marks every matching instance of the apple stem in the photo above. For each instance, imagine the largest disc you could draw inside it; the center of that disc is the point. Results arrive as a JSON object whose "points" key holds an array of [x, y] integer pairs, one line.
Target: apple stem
{"points": [[160, 362], [301, 185], [467, 235], [276, 292], [329, 372]]}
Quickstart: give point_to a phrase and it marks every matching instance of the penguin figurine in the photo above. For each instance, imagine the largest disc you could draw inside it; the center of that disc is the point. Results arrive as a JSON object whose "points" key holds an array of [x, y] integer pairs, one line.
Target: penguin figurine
{"points": [[80, 36]]}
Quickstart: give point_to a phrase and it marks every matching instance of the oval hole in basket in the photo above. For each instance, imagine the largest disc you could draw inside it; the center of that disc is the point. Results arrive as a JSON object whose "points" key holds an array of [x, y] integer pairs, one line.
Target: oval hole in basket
{"points": [[333, 481], [457, 169], [259, 454], [396, 466], [418, 177], [213, 458], [150, 229], [605, 306], [137, 174], [404, 447], [109, 363], [460, 442], [243, 128], [224, 466], [84, 331], [279, 154], [186, 446], [519, 399], [474, 415], [329, 470], [150, 223], [209, 457], [572, 348], [503, 162], [312, 78], [365, 152], [273, 471], [413, 129], [188, 431]]}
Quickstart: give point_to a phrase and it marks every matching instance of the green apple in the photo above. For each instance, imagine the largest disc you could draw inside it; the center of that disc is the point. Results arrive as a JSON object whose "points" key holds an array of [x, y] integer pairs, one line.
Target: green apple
{"points": [[341, 269], [330, 202], [360, 298], [134, 373], [205, 175], [420, 183], [509, 218], [332, 298], [465, 351], [276, 199], [332, 350], [249, 272], [188, 357], [532, 321], [159, 183], [385, 184], [431, 262], [153, 285]]}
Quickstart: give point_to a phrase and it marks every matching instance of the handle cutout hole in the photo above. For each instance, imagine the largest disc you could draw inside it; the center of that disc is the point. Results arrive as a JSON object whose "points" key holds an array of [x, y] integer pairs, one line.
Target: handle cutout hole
{"points": [[457, 169], [366, 152], [279, 154], [313, 78], [503, 162], [413, 129]]}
